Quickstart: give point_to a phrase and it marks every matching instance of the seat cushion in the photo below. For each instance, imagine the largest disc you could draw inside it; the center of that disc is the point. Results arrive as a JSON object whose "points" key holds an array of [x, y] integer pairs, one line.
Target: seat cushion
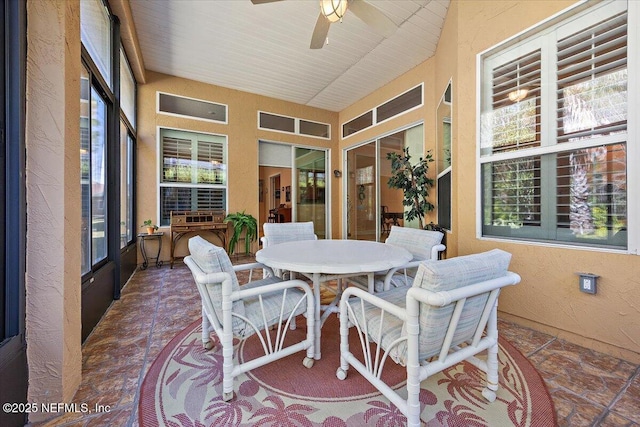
{"points": [[294, 300], [418, 242], [460, 271], [392, 326], [276, 233], [214, 259]]}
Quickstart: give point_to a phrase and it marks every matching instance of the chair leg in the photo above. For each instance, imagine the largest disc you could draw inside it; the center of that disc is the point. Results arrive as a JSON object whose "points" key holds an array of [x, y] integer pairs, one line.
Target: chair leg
{"points": [[227, 366], [413, 397], [341, 373], [489, 392], [206, 332]]}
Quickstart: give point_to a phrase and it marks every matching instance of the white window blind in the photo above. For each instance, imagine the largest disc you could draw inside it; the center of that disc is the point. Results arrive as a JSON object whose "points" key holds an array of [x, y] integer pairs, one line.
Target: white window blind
{"points": [[592, 81], [95, 33], [127, 90], [516, 104], [194, 172]]}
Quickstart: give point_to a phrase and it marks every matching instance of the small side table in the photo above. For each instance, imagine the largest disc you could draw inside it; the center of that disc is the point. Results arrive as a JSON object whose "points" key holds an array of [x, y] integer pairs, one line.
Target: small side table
{"points": [[144, 237]]}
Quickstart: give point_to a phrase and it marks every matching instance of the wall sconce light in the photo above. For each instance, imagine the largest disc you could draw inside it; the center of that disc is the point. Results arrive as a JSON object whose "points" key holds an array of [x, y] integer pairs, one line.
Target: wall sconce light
{"points": [[588, 282], [337, 173]]}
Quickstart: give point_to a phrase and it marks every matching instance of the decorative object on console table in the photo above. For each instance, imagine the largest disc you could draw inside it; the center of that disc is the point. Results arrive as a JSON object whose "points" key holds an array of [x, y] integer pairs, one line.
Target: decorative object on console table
{"points": [[183, 222], [150, 226]]}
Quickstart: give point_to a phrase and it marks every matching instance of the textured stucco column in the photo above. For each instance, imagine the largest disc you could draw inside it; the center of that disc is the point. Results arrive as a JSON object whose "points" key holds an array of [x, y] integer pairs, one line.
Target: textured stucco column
{"points": [[53, 201]]}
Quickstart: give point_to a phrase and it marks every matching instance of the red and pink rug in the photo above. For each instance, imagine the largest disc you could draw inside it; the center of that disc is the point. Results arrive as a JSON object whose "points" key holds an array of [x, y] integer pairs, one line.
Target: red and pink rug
{"points": [[183, 388]]}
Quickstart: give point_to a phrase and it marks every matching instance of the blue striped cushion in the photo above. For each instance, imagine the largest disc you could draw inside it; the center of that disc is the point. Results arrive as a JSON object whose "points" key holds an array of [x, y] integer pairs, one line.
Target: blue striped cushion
{"points": [[272, 303], [418, 242], [214, 259], [436, 276], [276, 233], [392, 326], [449, 274]]}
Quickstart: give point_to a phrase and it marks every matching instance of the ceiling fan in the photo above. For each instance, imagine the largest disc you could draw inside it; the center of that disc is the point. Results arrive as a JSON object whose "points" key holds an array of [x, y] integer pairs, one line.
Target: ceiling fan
{"points": [[333, 10]]}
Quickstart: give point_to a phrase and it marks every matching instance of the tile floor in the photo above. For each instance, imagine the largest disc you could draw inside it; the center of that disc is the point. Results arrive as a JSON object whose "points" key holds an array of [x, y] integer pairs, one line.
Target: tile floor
{"points": [[588, 388]]}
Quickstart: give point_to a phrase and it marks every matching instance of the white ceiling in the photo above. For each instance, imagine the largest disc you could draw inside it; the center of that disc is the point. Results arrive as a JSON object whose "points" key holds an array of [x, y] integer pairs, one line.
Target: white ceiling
{"points": [[264, 49]]}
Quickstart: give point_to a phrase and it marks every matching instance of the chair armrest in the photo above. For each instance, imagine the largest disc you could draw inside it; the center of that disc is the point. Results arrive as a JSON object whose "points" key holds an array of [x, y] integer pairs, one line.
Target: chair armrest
{"points": [[397, 311], [391, 272], [253, 265], [436, 249], [272, 287]]}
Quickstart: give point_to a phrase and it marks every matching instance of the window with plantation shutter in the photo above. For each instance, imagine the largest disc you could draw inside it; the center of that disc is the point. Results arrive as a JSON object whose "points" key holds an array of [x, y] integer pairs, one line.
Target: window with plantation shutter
{"points": [[515, 102], [592, 81], [193, 172], [553, 135]]}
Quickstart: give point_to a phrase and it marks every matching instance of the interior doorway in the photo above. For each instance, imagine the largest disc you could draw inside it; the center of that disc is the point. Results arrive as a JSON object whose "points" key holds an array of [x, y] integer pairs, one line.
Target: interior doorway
{"points": [[294, 184], [274, 183]]}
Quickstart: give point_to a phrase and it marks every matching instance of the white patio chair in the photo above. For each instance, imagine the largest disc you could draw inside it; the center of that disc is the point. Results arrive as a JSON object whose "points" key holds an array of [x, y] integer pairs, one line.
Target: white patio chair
{"points": [[275, 233], [264, 307], [423, 245], [447, 316]]}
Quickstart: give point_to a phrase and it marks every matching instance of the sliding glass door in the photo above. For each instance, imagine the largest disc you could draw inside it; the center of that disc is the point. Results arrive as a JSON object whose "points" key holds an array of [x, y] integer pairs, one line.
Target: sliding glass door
{"points": [[362, 199], [371, 206], [311, 195]]}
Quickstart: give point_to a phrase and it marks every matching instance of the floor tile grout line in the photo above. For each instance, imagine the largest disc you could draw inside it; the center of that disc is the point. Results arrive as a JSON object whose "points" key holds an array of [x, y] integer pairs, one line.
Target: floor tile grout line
{"points": [[542, 347], [617, 397], [141, 375]]}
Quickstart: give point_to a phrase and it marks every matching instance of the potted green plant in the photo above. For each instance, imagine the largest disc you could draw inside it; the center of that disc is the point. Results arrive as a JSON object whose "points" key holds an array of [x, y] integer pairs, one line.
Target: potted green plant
{"points": [[242, 222], [411, 177], [150, 226]]}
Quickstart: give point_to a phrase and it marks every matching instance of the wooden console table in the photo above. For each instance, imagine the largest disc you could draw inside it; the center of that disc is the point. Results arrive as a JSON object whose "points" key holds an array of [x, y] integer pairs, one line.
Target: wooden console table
{"points": [[183, 222]]}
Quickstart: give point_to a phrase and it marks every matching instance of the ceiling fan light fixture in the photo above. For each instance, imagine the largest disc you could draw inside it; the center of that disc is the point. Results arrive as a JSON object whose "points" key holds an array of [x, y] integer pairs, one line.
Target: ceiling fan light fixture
{"points": [[333, 10]]}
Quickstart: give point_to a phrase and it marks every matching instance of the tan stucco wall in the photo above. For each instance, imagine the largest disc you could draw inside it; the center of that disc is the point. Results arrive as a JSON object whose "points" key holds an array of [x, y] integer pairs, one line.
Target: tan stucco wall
{"points": [[548, 297], [548, 294], [53, 202], [242, 133]]}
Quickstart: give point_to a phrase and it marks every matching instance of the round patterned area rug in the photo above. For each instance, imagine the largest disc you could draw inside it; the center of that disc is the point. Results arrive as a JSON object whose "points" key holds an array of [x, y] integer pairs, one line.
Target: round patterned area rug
{"points": [[184, 385]]}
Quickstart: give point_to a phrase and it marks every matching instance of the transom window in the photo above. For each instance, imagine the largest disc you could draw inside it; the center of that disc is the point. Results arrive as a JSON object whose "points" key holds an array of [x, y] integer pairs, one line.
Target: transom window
{"points": [[394, 107], [279, 123], [553, 139]]}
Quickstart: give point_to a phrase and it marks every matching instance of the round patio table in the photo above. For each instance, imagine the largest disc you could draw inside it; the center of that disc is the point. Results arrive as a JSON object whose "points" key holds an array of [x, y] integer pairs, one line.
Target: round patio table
{"points": [[325, 260]]}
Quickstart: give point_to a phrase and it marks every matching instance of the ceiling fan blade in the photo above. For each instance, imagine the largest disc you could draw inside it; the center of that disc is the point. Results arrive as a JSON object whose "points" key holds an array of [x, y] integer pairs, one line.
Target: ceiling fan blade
{"points": [[263, 1], [373, 17], [320, 32]]}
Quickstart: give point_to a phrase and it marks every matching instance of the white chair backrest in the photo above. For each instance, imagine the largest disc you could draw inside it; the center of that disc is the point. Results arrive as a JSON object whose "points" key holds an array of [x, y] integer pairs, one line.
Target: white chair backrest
{"points": [[418, 242], [275, 233]]}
